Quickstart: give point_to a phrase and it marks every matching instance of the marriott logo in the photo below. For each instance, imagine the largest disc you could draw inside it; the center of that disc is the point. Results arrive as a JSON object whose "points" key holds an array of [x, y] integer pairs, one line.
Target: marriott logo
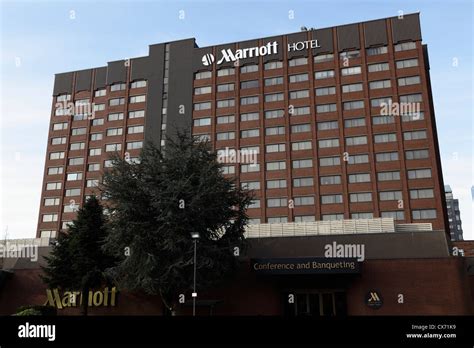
{"points": [[230, 56]]}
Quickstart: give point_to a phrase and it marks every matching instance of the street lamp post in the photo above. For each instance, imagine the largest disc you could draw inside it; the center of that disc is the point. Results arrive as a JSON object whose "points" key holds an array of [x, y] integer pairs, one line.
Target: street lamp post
{"points": [[195, 237]]}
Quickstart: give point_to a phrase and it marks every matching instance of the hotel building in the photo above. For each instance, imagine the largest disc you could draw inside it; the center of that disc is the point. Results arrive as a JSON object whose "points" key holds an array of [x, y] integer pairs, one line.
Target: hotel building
{"points": [[341, 119]]}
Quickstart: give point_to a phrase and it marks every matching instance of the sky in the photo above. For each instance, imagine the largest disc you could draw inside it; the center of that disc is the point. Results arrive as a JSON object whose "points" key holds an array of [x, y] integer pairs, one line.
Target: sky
{"points": [[42, 38]]}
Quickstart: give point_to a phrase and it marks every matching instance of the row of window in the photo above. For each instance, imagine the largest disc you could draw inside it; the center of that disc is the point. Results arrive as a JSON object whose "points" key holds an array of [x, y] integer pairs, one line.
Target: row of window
{"points": [[302, 61], [103, 91], [322, 91], [97, 107], [100, 121], [300, 94], [327, 161]]}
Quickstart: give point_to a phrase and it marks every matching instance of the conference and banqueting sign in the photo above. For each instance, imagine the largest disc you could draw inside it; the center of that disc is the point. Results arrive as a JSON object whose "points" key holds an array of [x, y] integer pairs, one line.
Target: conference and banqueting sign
{"points": [[271, 48]]}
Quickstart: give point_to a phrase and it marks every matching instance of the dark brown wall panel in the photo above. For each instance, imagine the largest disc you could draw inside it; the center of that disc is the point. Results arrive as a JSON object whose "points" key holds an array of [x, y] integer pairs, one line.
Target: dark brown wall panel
{"points": [[63, 83], [406, 28], [293, 38], [116, 72], [375, 33], [348, 37], [83, 80], [100, 77], [279, 55], [324, 37]]}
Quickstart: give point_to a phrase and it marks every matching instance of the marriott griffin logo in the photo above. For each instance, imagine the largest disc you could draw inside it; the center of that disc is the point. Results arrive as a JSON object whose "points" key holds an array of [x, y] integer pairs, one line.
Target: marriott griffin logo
{"points": [[228, 55]]}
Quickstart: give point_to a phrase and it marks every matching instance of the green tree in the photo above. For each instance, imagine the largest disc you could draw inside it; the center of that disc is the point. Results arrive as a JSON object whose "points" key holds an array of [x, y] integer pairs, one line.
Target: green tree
{"points": [[78, 261], [157, 203]]}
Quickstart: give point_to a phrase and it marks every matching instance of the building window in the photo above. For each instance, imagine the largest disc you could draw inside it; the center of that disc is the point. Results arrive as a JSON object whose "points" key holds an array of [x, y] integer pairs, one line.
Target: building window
{"points": [[308, 200], [386, 156], [276, 202], [303, 145], [96, 136], [414, 135], [299, 111], [138, 84], [385, 138], [137, 99], [396, 215], [300, 128], [421, 193], [405, 46], [58, 141], [50, 201], [416, 154], [113, 147], [380, 102], [226, 87], [407, 63], [274, 114], [273, 81], [92, 183], [330, 161], [56, 155], [78, 131], [325, 143], [135, 129], [118, 87], [115, 117], [55, 170], [320, 58], [116, 101], [299, 94], [388, 176], [203, 137], [357, 178], [248, 69], [249, 100], [326, 108], [419, 173], [100, 92], [203, 75], [136, 114], [226, 103], [199, 122], [274, 97], [325, 91], [63, 98], [279, 165], [273, 65], [50, 217], [134, 145], [298, 78], [390, 195], [202, 90], [252, 116], [275, 148], [332, 217], [76, 161], [250, 133], [376, 120], [353, 87], [303, 182], [303, 163], [408, 81], [350, 54], [73, 192], [249, 84], [331, 199], [276, 184], [114, 131], [274, 130], [70, 208], [354, 122], [225, 136], [220, 120], [250, 168], [59, 126], [380, 84], [357, 216], [98, 122], [378, 67], [95, 152], [250, 185], [93, 167], [360, 197], [319, 75], [277, 220], [352, 105], [228, 170], [411, 98], [330, 180], [298, 61], [351, 71], [358, 159], [423, 214], [374, 51], [328, 125], [51, 186]]}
